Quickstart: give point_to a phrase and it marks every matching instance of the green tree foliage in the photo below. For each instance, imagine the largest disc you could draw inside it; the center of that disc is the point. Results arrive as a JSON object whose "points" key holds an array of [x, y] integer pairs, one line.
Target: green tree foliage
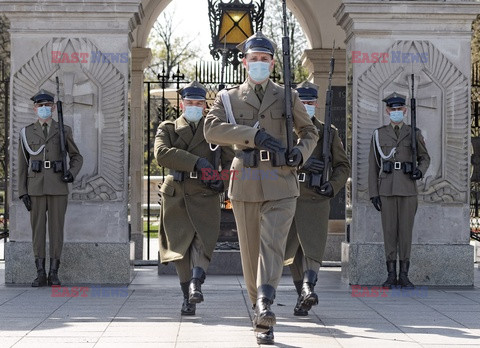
{"points": [[273, 28]]}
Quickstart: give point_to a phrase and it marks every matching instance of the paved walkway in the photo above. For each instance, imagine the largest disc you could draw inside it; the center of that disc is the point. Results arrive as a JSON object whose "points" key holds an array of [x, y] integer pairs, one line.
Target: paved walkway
{"points": [[146, 314]]}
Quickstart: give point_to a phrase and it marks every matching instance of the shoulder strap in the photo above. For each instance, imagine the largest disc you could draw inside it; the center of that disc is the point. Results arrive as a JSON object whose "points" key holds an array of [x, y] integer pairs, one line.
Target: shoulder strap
{"points": [[26, 146]]}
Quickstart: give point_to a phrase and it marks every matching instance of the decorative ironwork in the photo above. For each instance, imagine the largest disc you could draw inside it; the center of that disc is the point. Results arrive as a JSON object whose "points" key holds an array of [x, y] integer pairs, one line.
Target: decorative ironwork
{"points": [[231, 22], [475, 156]]}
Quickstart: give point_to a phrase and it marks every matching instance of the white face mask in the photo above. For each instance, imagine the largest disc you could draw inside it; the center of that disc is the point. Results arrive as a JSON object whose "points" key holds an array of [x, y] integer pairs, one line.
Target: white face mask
{"points": [[396, 116], [258, 71], [44, 112], [193, 113], [310, 110]]}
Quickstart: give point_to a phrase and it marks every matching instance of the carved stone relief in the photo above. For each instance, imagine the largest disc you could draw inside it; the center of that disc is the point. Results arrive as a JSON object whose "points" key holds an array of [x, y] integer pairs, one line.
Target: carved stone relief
{"points": [[441, 90], [93, 96]]}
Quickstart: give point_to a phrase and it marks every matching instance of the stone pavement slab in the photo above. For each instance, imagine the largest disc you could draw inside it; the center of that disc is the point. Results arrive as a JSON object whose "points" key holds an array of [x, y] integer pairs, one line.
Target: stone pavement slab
{"points": [[147, 314]]}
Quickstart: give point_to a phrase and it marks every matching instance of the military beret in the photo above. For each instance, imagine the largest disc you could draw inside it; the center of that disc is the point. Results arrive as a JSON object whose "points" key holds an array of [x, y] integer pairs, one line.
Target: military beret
{"points": [[257, 43], [395, 100], [43, 96], [307, 91], [194, 90]]}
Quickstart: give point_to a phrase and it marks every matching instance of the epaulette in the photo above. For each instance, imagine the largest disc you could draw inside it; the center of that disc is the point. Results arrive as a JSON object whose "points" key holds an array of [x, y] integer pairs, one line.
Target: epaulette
{"points": [[232, 87]]}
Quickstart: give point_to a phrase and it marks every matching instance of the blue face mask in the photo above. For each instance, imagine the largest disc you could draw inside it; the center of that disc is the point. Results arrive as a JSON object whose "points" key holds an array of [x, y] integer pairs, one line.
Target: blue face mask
{"points": [[193, 113], [310, 110], [44, 112], [396, 116], [258, 71]]}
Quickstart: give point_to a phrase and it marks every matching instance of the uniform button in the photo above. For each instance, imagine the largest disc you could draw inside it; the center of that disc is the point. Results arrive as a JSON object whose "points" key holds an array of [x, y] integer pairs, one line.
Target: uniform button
{"points": [[186, 195], [246, 141], [241, 115], [262, 116]]}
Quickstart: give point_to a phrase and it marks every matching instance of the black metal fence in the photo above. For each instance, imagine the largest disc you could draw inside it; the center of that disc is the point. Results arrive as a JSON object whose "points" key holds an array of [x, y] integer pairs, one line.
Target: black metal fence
{"points": [[4, 125], [475, 159]]}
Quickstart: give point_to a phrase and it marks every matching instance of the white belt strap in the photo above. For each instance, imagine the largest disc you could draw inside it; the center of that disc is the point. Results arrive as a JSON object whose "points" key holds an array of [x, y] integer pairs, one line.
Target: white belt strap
{"points": [[27, 147], [228, 106], [378, 149]]}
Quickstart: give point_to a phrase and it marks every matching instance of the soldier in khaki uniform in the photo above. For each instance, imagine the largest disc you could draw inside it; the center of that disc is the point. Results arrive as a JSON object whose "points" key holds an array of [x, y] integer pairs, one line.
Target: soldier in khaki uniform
{"points": [[308, 233], [42, 186], [392, 186], [263, 193], [190, 206]]}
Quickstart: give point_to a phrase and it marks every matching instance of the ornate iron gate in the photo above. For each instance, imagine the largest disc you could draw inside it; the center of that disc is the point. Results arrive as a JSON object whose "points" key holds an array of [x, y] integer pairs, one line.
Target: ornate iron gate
{"points": [[4, 125], [475, 159]]}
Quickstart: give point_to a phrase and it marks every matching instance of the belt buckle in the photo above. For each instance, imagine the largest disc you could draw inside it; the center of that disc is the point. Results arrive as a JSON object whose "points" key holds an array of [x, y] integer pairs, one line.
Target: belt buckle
{"points": [[398, 165], [46, 164], [264, 156], [193, 175], [301, 177]]}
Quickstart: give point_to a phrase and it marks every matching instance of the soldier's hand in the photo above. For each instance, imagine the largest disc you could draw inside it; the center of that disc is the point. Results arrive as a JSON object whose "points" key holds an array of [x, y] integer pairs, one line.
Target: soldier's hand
{"points": [[216, 185], [314, 165], [294, 158], [325, 190], [202, 163], [265, 141], [377, 202], [416, 175], [67, 177], [27, 201]]}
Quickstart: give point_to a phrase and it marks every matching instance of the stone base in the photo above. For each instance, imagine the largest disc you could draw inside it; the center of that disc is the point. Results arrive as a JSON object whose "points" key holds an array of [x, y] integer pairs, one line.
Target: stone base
{"points": [[437, 265], [81, 263], [333, 248]]}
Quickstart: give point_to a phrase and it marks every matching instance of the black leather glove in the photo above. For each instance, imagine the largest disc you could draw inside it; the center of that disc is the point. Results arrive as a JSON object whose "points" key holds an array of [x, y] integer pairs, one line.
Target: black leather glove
{"points": [[416, 175], [325, 190], [67, 177], [294, 158], [265, 141], [377, 202], [207, 175], [27, 201], [314, 165]]}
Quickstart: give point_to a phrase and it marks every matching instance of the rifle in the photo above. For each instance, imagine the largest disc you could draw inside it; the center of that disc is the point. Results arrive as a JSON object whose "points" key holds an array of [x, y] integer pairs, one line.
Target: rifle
{"points": [[61, 132], [413, 104], [327, 128], [287, 81]]}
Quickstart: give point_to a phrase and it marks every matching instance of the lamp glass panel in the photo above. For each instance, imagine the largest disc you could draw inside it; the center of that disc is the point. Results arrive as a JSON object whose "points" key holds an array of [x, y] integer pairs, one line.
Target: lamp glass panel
{"points": [[236, 25]]}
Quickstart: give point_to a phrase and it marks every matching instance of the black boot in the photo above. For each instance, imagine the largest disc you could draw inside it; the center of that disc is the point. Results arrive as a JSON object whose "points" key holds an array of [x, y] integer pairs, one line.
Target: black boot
{"points": [[195, 289], [41, 279], [298, 310], [264, 318], [403, 275], [265, 337], [309, 297], [187, 307], [53, 273], [392, 275]]}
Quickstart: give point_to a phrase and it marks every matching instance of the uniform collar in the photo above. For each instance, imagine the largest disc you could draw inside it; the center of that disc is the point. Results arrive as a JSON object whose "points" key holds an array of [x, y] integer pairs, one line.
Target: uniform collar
{"points": [[253, 84], [400, 125]]}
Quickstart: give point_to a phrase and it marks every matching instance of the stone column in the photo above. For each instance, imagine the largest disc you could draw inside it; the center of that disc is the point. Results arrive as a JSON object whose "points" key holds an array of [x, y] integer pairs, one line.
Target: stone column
{"points": [[140, 60], [85, 44], [317, 62], [386, 42]]}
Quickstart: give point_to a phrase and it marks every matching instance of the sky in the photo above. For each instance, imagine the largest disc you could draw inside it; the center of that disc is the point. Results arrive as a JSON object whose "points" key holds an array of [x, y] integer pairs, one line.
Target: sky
{"points": [[192, 19]]}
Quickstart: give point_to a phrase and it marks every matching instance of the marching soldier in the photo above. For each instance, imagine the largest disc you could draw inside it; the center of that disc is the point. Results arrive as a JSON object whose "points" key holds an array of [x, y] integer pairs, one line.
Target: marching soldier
{"points": [[392, 186], [42, 186], [190, 207], [251, 117], [308, 233]]}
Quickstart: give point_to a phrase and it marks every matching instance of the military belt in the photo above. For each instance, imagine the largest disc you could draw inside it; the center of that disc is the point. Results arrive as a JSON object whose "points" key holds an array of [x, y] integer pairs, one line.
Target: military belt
{"points": [[180, 175], [36, 165]]}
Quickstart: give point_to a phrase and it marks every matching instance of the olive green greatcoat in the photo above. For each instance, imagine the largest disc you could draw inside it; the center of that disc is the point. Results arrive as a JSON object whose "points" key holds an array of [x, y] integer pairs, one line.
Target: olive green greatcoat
{"points": [[310, 224], [187, 207]]}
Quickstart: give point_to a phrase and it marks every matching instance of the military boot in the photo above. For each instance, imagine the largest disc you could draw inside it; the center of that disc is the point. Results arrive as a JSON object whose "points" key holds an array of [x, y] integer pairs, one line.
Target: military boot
{"points": [[41, 279], [392, 275], [403, 275], [263, 317], [187, 307], [298, 310], [195, 289], [53, 273], [265, 337], [308, 297]]}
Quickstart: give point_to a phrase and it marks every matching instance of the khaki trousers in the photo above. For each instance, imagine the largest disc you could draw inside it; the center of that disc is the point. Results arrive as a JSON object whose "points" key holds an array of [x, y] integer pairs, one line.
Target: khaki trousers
{"points": [[55, 208], [398, 216], [262, 233], [194, 257], [301, 264]]}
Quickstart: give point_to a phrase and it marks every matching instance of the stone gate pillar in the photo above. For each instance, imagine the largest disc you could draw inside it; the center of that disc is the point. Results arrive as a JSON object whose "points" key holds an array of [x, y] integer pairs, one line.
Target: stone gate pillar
{"points": [[85, 44], [386, 42]]}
